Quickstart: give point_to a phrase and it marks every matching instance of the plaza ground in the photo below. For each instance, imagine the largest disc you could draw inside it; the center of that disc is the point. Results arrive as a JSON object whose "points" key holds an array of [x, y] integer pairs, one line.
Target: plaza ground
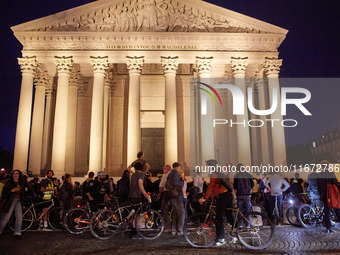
{"points": [[288, 240]]}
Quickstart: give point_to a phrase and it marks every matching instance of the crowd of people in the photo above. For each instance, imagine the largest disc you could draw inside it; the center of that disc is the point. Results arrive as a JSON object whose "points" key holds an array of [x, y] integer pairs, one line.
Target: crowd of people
{"points": [[171, 189]]}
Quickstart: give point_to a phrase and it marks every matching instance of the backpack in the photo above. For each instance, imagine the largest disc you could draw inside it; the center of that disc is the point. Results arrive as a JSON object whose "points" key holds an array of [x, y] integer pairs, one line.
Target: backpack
{"points": [[172, 190], [333, 196], [225, 181]]}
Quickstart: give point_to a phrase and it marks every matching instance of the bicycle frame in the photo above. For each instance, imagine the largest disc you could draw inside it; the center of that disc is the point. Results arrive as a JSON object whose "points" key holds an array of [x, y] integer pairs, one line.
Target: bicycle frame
{"points": [[234, 226], [128, 209], [33, 205]]}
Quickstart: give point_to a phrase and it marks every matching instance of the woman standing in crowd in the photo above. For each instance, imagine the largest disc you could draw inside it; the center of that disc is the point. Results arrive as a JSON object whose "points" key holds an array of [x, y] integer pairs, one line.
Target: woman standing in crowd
{"points": [[66, 193], [13, 193]]}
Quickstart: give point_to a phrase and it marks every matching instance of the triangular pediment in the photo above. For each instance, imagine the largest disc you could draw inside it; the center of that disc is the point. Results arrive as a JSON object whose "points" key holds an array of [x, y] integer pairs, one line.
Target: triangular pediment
{"points": [[149, 16]]}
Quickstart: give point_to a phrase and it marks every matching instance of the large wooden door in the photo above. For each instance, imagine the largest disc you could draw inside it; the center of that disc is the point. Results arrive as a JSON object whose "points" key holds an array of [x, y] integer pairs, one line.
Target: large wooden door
{"points": [[153, 148]]}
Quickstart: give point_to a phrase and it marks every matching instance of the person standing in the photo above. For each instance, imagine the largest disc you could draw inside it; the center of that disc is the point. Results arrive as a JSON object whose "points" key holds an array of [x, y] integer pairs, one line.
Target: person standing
{"points": [[49, 190], [140, 159], [174, 185], [198, 182], [224, 199], [98, 191], [66, 193], [137, 191], [185, 196], [123, 186], [85, 185], [324, 178], [296, 186], [274, 184], [313, 189], [13, 193], [243, 184], [163, 192]]}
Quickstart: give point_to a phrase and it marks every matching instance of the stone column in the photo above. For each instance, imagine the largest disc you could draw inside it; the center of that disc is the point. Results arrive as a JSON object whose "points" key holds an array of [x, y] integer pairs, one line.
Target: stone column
{"points": [[48, 129], [75, 82], [34, 162], [254, 131], [170, 65], [107, 86], [99, 66], [262, 98], [272, 70], [28, 66], [238, 66], [64, 67], [135, 65], [207, 134]]}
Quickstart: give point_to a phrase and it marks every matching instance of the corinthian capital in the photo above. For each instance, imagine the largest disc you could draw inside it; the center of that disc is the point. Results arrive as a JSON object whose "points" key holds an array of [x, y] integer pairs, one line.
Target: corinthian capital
{"points": [[109, 78], [272, 66], [64, 64], [28, 64], [134, 64], [238, 65], [76, 79], [49, 91], [169, 64], [99, 64], [42, 79], [204, 65]]}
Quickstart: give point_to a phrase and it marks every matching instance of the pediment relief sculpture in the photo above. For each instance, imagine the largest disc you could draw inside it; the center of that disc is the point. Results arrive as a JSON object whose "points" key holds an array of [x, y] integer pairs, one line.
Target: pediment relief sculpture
{"points": [[151, 15]]}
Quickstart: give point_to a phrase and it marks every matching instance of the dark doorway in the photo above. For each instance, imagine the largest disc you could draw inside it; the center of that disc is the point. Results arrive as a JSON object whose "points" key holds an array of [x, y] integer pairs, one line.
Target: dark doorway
{"points": [[153, 148]]}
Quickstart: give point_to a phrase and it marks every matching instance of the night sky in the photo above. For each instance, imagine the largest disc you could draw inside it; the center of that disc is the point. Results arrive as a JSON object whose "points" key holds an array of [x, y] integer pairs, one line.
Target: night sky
{"points": [[311, 50]]}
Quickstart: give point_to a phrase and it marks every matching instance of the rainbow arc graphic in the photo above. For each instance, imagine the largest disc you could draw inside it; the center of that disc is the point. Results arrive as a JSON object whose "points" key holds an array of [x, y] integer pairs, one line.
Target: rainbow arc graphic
{"points": [[204, 99]]}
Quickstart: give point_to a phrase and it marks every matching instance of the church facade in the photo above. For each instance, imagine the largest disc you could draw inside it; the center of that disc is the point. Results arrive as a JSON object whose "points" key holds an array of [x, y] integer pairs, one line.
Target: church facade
{"points": [[102, 81]]}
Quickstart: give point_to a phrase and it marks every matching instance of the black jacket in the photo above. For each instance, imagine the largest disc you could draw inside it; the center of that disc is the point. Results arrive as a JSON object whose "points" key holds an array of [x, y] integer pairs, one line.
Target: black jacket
{"points": [[243, 183], [8, 195]]}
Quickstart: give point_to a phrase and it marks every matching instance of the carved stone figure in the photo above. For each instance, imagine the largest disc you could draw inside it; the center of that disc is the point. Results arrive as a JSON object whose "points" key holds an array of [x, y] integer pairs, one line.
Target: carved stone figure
{"points": [[151, 15]]}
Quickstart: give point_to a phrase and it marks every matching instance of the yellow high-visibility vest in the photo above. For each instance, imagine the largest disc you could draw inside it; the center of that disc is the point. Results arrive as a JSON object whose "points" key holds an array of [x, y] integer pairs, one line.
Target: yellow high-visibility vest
{"points": [[49, 193]]}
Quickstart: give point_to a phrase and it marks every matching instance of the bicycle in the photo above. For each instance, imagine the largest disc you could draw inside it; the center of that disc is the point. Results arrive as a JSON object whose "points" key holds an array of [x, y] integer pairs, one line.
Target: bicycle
{"points": [[106, 223], [30, 215], [295, 201], [256, 233], [77, 220], [312, 215]]}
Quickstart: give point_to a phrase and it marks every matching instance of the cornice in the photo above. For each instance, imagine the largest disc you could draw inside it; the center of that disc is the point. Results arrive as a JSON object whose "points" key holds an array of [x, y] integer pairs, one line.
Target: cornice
{"points": [[152, 41]]}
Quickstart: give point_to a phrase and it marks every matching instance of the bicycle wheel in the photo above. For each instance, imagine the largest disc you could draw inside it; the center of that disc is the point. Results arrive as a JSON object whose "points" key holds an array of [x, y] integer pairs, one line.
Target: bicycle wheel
{"points": [[334, 219], [56, 217], [27, 220], [149, 225], [77, 221], [199, 231], [257, 231], [104, 224], [307, 216], [292, 216]]}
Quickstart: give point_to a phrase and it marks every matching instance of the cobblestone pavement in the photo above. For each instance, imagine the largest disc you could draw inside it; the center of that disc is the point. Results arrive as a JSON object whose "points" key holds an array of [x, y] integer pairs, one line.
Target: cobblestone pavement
{"points": [[288, 240]]}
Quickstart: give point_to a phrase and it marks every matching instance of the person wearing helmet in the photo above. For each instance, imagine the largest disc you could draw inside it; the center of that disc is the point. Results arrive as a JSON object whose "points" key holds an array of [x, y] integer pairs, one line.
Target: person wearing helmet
{"points": [[98, 191]]}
